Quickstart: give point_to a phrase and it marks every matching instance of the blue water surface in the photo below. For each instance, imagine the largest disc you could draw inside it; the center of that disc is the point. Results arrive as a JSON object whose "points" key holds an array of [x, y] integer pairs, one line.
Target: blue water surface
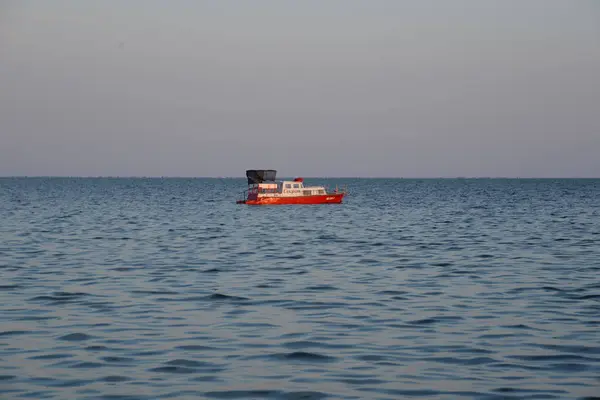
{"points": [[166, 289]]}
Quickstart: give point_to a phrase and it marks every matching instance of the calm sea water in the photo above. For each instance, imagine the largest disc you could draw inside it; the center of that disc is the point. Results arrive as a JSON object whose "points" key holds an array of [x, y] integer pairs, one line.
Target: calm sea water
{"points": [[166, 289]]}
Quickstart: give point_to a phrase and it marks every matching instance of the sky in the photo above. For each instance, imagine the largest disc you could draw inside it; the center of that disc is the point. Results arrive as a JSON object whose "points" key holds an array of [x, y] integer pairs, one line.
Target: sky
{"points": [[372, 88]]}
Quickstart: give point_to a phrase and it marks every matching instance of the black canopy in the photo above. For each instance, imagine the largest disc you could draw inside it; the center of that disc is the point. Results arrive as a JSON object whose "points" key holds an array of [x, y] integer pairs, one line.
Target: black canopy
{"points": [[260, 175]]}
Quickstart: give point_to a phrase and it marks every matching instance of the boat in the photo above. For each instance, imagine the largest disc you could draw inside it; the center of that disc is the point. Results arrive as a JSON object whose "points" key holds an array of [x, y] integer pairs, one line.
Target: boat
{"points": [[263, 189]]}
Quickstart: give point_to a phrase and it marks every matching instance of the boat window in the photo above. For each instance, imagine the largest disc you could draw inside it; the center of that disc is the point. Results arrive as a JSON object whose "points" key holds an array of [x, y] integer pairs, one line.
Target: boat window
{"points": [[296, 185], [288, 185], [321, 191], [306, 192]]}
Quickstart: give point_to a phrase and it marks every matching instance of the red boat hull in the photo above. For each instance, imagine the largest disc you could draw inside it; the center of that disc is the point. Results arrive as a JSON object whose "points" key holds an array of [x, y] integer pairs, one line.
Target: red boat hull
{"points": [[335, 198]]}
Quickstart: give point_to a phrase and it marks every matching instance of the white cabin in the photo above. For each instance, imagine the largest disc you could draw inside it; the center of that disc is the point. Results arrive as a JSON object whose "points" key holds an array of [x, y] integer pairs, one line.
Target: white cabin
{"points": [[288, 189]]}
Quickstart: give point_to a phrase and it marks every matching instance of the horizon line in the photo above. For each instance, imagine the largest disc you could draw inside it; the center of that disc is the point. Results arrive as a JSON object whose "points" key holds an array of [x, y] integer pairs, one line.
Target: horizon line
{"points": [[283, 178]]}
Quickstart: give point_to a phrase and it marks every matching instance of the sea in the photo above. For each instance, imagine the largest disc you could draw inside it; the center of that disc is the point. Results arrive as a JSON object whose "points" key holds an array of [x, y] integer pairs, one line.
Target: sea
{"points": [[164, 288]]}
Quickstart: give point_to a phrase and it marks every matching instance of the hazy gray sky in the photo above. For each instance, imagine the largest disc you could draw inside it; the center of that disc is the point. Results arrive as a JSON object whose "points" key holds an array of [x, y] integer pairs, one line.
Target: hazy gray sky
{"points": [[310, 88]]}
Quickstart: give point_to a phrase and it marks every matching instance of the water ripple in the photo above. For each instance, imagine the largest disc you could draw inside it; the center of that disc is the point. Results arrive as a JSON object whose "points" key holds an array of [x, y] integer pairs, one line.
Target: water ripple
{"points": [[165, 289]]}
